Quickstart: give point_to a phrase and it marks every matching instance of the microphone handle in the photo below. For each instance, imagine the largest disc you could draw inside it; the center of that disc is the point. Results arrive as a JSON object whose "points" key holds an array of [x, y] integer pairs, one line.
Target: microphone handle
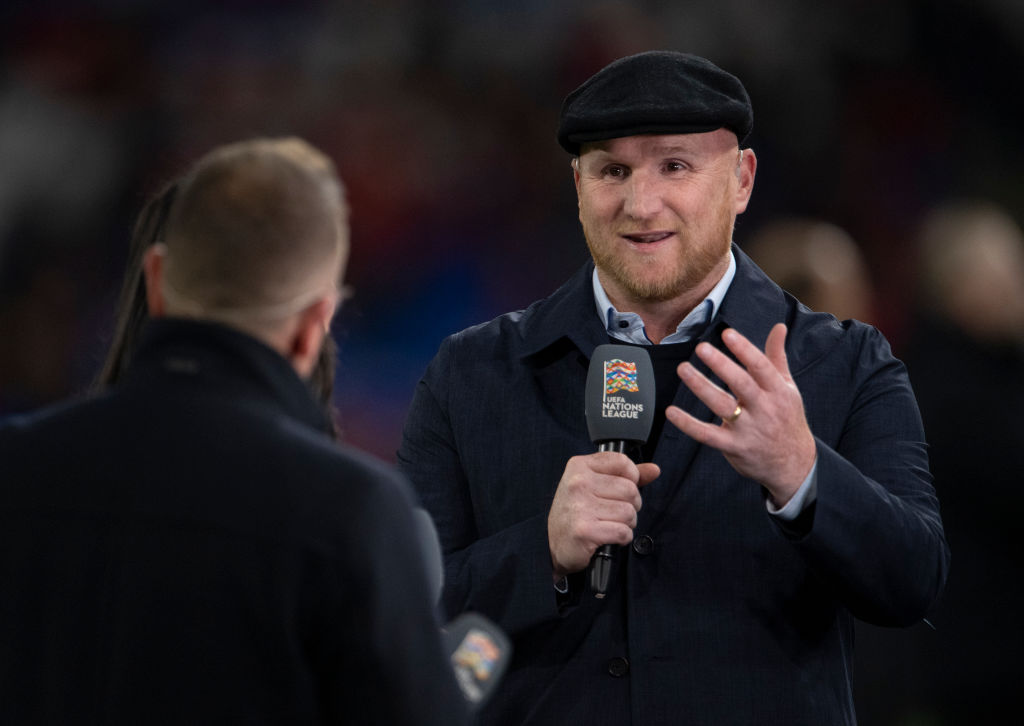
{"points": [[601, 563]]}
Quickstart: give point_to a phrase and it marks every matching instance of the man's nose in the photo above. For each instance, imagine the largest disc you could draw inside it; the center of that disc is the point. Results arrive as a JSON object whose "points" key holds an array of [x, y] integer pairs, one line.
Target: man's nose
{"points": [[643, 196]]}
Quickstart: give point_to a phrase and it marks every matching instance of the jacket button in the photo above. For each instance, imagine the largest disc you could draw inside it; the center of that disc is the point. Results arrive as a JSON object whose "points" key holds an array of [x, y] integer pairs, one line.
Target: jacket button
{"points": [[643, 545], [618, 667]]}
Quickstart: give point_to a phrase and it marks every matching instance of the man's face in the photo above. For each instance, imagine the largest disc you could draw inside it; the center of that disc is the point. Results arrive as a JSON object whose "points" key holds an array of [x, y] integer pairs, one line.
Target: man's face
{"points": [[658, 211]]}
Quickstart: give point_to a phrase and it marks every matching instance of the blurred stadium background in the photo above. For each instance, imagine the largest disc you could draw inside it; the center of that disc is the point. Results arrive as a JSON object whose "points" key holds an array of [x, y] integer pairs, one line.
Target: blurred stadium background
{"points": [[441, 117]]}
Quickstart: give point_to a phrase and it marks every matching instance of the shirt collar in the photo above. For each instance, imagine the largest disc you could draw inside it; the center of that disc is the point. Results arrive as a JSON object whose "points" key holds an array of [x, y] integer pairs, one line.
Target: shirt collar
{"points": [[629, 327]]}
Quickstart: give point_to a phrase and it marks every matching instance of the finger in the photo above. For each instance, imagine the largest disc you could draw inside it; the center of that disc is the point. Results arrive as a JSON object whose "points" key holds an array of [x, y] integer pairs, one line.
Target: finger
{"points": [[648, 473], [612, 463], [617, 489], [721, 402], [601, 532], [757, 365], [717, 437], [606, 510], [625, 490], [775, 350]]}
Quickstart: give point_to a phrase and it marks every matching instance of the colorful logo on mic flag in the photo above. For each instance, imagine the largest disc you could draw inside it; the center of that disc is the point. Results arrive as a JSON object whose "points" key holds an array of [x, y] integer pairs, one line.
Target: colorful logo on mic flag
{"points": [[619, 375], [476, 655]]}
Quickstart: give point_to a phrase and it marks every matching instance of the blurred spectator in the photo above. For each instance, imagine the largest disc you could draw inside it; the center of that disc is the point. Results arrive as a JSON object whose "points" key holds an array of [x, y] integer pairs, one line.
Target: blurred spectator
{"points": [[966, 361], [67, 161], [817, 262], [972, 275]]}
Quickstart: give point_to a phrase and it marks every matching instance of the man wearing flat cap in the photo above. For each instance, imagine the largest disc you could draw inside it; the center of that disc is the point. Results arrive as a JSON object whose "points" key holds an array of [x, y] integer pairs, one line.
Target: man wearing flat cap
{"points": [[784, 486]]}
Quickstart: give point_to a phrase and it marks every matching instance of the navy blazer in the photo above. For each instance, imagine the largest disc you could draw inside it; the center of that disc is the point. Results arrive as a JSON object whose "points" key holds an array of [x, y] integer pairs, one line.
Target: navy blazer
{"points": [[191, 548], [718, 613]]}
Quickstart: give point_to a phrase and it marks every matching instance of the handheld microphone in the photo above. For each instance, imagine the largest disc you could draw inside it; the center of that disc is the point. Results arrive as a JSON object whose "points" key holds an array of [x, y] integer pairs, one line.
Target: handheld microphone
{"points": [[620, 410], [480, 652], [478, 649]]}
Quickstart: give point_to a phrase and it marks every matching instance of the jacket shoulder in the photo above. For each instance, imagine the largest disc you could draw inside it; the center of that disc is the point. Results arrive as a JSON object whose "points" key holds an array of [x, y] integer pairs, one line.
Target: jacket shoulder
{"points": [[814, 337]]}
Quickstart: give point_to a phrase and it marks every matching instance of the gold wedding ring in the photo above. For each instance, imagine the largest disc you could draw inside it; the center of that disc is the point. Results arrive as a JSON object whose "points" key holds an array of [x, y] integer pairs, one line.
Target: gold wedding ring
{"points": [[735, 414]]}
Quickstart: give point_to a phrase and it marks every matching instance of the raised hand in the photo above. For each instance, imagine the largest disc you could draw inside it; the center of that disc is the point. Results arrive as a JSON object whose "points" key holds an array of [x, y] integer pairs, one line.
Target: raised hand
{"points": [[763, 431]]}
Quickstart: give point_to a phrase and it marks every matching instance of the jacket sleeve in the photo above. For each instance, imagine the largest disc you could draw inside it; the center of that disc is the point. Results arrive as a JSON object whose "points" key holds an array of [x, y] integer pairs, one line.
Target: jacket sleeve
{"points": [[874, 533], [504, 573], [392, 667]]}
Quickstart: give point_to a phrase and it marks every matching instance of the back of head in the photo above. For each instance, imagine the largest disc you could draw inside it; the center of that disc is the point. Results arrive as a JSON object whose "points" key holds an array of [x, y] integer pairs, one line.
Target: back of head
{"points": [[817, 262], [258, 231], [972, 269]]}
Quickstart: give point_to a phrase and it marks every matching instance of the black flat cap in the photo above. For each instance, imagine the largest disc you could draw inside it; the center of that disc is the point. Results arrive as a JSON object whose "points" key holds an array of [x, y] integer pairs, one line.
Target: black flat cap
{"points": [[657, 92]]}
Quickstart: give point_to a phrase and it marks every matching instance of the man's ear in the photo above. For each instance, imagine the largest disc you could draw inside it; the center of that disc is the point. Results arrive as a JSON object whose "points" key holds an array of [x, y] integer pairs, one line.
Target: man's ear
{"points": [[312, 326], [575, 163], [153, 262], [746, 168]]}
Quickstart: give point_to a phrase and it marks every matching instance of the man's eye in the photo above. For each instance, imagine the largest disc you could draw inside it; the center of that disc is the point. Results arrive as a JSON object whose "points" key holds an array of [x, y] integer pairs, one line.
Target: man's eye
{"points": [[674, 166], [616, 172]]}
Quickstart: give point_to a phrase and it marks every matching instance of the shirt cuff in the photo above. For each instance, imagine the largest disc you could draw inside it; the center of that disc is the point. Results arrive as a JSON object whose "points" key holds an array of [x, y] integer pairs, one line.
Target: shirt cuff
{"points": [[803, 498]]}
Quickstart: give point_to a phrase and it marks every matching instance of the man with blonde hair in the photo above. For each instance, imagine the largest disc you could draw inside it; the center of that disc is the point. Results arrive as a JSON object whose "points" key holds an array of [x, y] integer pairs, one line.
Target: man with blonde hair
{"points": [[191, 546]]}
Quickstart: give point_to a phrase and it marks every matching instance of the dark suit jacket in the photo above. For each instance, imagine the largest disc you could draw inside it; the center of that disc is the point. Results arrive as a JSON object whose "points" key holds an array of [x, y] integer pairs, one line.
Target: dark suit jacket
{"points": [[718, 614], [191, 548]]}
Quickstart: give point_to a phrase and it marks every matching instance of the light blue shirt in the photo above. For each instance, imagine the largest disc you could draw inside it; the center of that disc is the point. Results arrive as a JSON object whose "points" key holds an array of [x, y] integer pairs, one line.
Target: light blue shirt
{"points": [[629, 327]]}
